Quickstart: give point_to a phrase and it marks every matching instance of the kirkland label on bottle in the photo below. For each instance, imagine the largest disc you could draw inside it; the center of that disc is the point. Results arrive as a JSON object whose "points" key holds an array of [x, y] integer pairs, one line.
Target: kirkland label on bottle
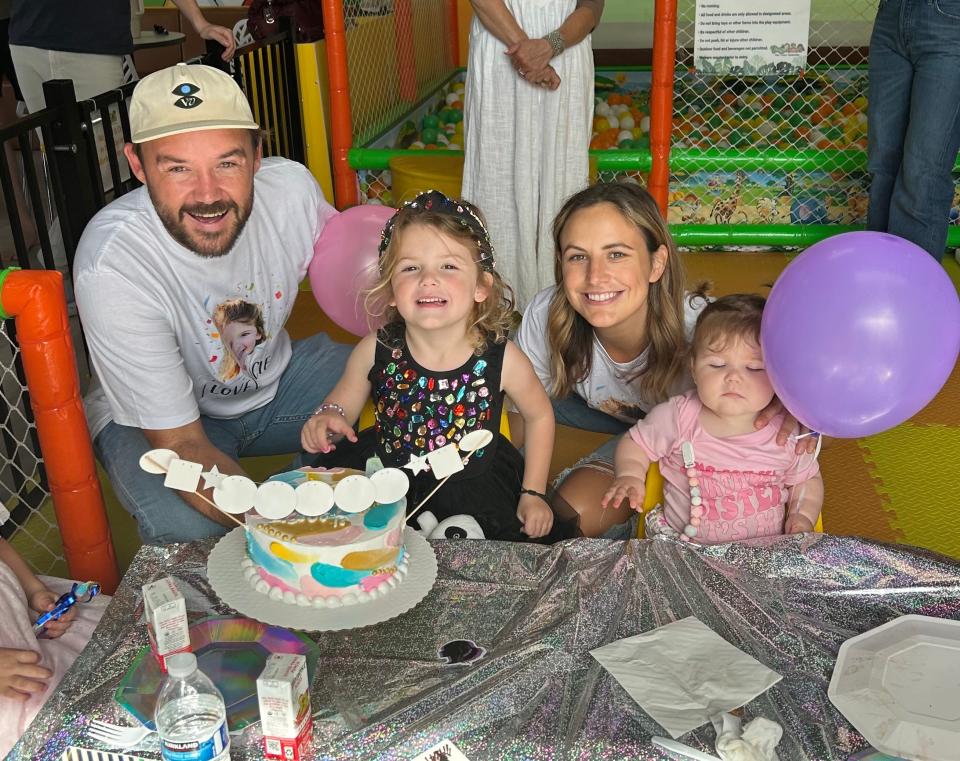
{"points": [[214, 748]]}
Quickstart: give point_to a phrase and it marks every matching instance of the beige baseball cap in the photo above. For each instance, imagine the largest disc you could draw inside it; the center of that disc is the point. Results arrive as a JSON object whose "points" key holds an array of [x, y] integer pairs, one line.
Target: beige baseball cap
{"points": [[186, 98]]}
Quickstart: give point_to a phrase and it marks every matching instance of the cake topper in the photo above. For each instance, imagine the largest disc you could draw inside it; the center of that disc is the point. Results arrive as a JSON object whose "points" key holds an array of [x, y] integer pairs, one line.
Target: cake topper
{"points": [[277, 498]]}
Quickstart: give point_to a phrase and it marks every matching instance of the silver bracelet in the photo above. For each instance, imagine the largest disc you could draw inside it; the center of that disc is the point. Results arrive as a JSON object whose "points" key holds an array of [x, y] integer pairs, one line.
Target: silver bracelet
{"points": [[556, 41], [330, 406]]}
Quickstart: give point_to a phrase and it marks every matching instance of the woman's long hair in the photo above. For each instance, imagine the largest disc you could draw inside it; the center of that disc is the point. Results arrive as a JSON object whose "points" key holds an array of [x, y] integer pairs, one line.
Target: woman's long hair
{"points": [[570, 336]]}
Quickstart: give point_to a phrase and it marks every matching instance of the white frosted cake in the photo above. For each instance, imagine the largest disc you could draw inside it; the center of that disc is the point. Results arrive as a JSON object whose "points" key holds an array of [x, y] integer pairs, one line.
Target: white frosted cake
{"points": [[338, 558]]}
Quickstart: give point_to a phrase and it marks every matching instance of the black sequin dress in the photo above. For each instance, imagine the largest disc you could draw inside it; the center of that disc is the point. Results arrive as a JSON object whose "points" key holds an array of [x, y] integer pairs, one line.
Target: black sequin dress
{"points": [[419, 410]]}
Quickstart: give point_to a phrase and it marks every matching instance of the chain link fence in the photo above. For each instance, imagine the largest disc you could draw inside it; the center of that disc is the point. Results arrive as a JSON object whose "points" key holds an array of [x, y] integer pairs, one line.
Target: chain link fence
{"points": [[777, 148], [24, 490], [748, 153], [397, 53], [401, 67]]}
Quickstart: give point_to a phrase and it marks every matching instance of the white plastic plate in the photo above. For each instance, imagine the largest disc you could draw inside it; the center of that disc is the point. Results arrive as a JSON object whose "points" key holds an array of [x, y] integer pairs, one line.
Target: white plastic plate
{"points": [[899, 685]]}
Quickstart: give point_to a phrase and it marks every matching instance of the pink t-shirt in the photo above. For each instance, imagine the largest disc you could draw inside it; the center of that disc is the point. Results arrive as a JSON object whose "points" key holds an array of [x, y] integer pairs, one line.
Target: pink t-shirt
{"points": [[744, 479]]}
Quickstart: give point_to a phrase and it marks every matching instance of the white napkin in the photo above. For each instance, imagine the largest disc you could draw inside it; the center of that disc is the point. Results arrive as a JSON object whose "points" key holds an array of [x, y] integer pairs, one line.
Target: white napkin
{"points": [[684, 673], [757, 741]]}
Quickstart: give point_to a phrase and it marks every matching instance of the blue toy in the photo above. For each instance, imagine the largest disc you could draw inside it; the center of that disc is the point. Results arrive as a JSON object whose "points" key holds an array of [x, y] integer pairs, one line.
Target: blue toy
{"points": [[80, 592]]}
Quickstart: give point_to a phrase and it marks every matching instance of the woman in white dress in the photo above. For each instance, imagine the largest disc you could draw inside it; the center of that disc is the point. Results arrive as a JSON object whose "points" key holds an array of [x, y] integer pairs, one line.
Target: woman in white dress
{"points": [[528, 121]]}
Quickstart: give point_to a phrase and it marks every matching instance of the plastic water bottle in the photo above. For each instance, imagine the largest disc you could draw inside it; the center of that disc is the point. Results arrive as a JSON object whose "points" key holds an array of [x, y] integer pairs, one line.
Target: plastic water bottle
{"points": [[191, 717]]}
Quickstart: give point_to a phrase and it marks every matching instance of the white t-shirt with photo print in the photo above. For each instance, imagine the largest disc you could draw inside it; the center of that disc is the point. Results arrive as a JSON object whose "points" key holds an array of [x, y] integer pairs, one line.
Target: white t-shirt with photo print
{"points": [[173, 335]]}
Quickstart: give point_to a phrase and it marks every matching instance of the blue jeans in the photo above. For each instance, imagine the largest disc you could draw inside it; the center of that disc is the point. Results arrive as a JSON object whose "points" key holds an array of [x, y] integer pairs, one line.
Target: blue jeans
{"points": [[914, 119], [576, 413], [162, 516]]}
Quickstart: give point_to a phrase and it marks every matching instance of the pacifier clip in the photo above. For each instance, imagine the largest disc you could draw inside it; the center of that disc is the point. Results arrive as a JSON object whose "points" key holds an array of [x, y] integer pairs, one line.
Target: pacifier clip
{"points": [[696, 500]]}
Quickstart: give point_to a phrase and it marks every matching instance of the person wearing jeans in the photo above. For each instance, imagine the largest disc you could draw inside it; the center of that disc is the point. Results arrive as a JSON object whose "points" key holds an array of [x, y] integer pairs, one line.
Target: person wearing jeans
{"points": [[214, 225], [914, 119]]}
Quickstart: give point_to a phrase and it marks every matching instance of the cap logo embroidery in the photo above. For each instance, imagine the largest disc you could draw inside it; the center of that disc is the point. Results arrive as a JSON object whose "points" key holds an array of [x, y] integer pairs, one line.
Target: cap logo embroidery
{"points": [[187, 99]]}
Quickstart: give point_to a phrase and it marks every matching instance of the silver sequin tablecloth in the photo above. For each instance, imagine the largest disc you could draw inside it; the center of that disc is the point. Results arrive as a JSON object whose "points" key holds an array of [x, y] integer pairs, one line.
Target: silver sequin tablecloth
{"points": [[382, 692]]}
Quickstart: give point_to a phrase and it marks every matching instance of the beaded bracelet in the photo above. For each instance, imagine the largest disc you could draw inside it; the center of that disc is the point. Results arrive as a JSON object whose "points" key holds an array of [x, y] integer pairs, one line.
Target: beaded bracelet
{"points": [[557, 43], [330, 406]]}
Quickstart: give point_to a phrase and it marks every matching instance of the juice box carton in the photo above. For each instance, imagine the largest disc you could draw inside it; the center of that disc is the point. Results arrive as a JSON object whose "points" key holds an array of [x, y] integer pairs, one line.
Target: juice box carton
{"points": [[166, 613], [283, 690]]}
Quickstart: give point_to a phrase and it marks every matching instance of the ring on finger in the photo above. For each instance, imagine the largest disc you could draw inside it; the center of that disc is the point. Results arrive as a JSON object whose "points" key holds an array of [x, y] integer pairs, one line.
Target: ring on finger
{"points": [[523, 75]]}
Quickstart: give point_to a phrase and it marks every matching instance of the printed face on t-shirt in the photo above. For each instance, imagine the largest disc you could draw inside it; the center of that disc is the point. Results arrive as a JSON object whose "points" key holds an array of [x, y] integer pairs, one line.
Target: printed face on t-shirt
{"points": [[201, 184], [241, 338], [240, 328]]}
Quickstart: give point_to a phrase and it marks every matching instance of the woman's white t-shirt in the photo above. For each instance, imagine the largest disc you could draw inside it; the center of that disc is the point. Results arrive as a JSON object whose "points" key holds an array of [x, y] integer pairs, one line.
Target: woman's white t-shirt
{"points": [[608, 387]]}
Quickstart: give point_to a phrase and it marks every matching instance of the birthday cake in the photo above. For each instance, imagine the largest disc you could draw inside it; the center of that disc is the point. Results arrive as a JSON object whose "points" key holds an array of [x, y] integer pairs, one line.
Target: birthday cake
{"points": [[344, 556]]}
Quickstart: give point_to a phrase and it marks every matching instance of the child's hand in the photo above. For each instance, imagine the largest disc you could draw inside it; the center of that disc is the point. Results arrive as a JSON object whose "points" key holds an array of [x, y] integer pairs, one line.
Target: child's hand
{"points": [[43, 600], [321, 430], [20, 676], [535, 515], [797, 524], [627, 488]]}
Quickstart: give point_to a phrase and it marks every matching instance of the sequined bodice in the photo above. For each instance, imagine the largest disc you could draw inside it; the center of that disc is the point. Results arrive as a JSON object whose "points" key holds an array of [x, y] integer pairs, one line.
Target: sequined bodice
{"points": [[419, 410]]}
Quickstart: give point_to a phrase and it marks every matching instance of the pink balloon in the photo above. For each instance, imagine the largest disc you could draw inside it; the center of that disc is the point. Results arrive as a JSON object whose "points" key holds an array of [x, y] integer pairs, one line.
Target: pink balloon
{"points": [[345, 264]]}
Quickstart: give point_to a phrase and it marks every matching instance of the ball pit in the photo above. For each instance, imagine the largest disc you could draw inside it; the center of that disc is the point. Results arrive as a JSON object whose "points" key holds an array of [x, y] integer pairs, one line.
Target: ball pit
{"points": [[715, 118]]}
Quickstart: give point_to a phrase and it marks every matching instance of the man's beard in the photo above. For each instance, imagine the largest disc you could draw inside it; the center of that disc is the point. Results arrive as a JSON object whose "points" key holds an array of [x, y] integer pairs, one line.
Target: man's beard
{"points": [[203, 244]]}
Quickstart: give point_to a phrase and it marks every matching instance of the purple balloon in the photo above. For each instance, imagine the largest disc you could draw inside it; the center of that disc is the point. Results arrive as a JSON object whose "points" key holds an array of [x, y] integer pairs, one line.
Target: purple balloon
{"points": [[860, 332]]}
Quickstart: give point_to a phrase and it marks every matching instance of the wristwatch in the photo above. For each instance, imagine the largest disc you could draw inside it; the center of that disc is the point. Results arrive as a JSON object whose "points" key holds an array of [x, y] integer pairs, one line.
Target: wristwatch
{"points": [[557, 44]]}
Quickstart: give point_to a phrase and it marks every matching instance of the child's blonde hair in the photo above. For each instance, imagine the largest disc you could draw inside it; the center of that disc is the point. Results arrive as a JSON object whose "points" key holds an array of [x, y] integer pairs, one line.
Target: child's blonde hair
{"points": [[570, 336], [738, 315], [236, 310], [492, 319]]}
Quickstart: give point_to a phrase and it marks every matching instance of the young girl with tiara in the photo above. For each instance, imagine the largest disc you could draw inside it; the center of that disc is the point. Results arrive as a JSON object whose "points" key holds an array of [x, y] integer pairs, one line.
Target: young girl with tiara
{"points": [[724, 480], [439, 369], [608, 341]]}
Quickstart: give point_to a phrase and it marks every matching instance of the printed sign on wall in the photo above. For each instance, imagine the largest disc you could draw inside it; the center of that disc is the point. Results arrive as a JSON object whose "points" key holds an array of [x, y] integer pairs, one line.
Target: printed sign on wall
{"points": [[751, 37]]}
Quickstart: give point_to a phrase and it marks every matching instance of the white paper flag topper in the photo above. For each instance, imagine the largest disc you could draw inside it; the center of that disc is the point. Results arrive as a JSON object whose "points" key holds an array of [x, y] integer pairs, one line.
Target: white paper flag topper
{"points": [[275, 500], [314, 498], [156, 460], [354, 494], [183, 475], [445, 461], [235, 494]]}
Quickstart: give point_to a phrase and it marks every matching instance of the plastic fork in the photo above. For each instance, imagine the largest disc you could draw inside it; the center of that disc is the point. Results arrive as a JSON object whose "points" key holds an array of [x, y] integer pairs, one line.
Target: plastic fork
{"points": [[118, 736]]}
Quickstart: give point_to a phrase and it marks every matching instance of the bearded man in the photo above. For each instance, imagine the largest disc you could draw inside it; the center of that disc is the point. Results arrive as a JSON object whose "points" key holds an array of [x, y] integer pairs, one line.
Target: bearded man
{"points": [[215, 225]]}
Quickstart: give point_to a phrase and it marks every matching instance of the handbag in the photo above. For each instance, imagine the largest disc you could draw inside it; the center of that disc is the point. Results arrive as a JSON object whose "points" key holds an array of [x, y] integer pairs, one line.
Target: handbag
{"points": [[263, 18]]}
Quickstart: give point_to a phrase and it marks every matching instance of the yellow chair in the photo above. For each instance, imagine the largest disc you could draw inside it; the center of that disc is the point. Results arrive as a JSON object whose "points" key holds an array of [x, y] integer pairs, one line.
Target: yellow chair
{"points": [[367, 420], [654, 496]]}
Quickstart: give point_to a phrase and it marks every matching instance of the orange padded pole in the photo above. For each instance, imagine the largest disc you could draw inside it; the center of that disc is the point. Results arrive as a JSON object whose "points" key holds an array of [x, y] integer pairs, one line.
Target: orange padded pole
{"points": [[345, 189], [453, 26], [661, 99], [35, 299], [403, 41]]}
